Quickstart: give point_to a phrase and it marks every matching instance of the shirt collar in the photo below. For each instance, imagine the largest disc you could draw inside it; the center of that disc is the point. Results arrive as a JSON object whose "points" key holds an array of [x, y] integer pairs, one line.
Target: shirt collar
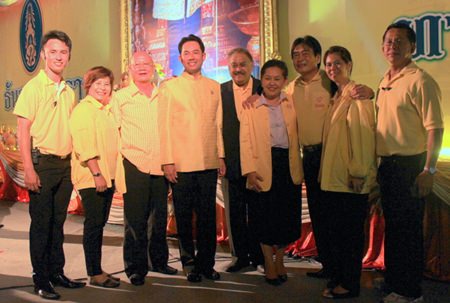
{"points": [[190, 77], [263, 101], [49, 82], [249, 86], [408, 69], [134, 90], [96, 103], [317, 77]]}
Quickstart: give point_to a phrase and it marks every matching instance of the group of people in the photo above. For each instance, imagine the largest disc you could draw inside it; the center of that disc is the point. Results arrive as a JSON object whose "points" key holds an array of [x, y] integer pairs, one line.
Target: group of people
{"points": [[264, 138]]}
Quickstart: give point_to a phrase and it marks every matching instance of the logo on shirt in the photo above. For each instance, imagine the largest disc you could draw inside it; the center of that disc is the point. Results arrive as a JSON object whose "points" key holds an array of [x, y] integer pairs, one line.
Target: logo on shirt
{"points": [[430, 29], [30, 34]]}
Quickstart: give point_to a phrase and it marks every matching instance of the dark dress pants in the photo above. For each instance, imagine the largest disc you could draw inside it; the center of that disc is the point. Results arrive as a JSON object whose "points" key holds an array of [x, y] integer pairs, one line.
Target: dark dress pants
{"points": [[345, 216], [96, 212], [403, 212], [48, 211], [311, 166], [243, 211], [145, 214], [196, 192]]}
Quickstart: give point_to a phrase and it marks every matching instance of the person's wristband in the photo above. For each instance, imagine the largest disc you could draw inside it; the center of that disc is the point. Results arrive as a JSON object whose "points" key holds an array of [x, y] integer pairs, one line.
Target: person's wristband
{"points": [[430, 170]]}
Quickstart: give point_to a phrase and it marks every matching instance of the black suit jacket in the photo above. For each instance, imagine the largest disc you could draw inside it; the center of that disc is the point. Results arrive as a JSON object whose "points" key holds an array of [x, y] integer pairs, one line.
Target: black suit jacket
{"points": [[231, 129]]}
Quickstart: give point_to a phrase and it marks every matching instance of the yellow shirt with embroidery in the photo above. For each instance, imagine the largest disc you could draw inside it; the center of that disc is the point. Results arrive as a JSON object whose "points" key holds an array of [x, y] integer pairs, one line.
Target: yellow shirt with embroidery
{"points": [[408, 105], [95, 135], [48, 106], [137, 118], [348, 143], [311, 100], [190, 120]]}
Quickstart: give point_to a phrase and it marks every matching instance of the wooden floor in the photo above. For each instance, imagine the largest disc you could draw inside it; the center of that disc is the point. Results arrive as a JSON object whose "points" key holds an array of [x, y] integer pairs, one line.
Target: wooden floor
{"points": [[246, 286]]}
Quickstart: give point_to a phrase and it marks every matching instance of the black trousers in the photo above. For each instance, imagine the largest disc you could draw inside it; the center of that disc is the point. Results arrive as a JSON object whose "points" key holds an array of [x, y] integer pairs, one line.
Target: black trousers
{"points": [[311, 166], [243, 212], [96, 212], [48, 211], [403, 213], [196, 192], [145, 214], [345, 217]]}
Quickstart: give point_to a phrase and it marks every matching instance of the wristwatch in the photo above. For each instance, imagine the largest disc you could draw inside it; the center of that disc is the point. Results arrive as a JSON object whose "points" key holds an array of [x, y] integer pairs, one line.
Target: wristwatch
{"points": [[430, 170], [97, 174]]}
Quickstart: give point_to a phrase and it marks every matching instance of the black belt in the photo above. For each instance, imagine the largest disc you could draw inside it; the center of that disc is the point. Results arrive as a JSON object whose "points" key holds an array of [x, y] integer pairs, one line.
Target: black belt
{"points": [[50, 156], [399, 158], [312, 148]]}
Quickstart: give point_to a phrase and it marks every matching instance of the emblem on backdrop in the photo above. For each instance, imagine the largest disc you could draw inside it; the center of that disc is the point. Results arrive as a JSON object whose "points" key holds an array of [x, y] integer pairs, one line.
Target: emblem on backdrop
{"points": [[30, 34]]}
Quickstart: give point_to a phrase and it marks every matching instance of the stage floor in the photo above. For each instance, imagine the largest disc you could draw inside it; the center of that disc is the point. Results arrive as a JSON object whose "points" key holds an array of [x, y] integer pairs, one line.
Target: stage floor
{"points": [[247, 286]]}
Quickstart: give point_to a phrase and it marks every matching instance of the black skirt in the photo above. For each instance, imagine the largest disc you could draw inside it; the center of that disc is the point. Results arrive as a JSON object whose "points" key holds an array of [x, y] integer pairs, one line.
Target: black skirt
{"points": [[281, 207]]}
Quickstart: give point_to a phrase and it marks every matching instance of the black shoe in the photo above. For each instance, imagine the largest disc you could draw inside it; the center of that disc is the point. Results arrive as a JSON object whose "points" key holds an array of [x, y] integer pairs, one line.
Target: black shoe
{"points": [[194, 276], [283, 278], [273, 282], [46, 292], [321, 274], [137, 279], [238, 265], [347, 295], [62, 280], [167, 270], [211, 274]]}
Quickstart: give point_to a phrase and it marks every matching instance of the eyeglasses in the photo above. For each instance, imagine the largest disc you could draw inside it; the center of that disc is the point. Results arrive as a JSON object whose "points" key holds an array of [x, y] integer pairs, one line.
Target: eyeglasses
{"points": [[393, 42]]}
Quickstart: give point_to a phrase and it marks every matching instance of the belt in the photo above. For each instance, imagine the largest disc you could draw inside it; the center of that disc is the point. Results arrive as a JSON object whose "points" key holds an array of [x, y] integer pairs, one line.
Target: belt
{"points": [[398, 158], [50, 156], [312, 148]]}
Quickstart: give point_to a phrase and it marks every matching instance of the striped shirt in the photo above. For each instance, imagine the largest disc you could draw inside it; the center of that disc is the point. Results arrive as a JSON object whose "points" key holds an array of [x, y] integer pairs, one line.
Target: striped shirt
{"points": [[136, 115]]}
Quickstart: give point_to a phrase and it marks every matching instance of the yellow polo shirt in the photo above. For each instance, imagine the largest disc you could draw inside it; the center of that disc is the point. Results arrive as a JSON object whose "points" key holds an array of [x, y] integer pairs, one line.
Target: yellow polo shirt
{"points": [[95, 135], [136, 115], [408, 105], [348, 143], [190, 120], [311, 100], [48, 106]]}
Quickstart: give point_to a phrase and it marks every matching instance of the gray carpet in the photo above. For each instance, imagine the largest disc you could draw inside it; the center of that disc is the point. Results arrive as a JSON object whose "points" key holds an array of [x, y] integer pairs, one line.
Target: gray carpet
{"points": [[246, 286]]}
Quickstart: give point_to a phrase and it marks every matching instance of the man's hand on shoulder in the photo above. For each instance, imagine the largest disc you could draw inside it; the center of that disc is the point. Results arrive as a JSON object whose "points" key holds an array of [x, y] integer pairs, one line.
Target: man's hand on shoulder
{"points": [[362, 92], [249, 103]]}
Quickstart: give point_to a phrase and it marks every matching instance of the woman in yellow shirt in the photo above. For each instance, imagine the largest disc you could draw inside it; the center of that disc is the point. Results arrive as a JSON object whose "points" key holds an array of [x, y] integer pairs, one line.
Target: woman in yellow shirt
{"points": [[347, 173], [95, 155], [270, 158]]}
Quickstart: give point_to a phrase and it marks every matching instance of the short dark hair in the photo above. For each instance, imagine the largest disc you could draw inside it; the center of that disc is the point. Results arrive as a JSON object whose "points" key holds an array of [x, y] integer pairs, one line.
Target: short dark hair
{"points": [[96, 73], [191, 37], [240, 50], [275, 63], [309, 41], [410, 33], [341, 51], [58, 35]]}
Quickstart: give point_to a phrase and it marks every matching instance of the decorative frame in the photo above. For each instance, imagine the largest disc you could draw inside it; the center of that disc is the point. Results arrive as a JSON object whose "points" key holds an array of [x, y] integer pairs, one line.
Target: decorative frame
{"points": [[268, 31]]}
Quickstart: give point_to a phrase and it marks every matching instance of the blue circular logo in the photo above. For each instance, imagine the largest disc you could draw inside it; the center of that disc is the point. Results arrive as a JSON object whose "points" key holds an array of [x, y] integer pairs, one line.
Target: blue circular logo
{"points": [[30, 34]]}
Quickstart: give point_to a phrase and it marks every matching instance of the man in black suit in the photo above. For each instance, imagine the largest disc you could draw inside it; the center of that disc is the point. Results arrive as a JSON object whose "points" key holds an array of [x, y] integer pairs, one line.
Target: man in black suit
{"points": [[241, 206]]}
